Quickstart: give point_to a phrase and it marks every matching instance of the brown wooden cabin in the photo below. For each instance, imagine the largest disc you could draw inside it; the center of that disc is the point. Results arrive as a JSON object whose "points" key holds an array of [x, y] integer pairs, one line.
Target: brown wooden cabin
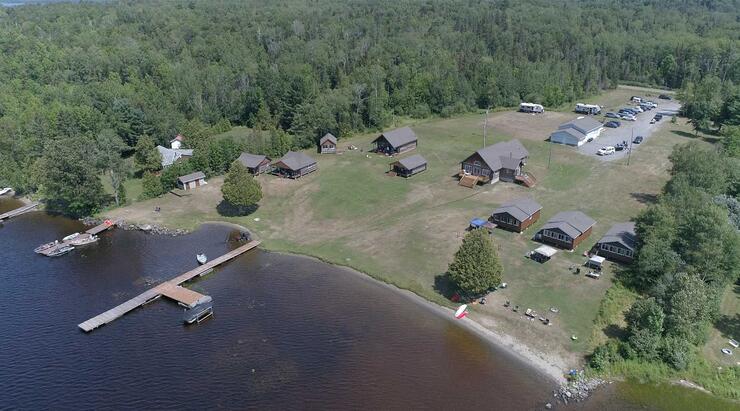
{"points": [[567, 229], [328, 144], [409, 166], [396, 141], [255, 163], [619, 243], [517, 215], [501, 161], [191, 181], [294, 165]]}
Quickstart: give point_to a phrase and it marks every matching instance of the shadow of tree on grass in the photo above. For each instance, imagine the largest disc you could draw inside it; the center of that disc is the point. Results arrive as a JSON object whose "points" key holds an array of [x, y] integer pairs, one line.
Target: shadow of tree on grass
{"points": [[645, 198], [227, 210]]}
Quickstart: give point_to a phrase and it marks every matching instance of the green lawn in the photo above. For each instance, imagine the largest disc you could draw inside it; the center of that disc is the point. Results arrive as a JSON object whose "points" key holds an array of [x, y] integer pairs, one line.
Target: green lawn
{"points": [[405, 231]]}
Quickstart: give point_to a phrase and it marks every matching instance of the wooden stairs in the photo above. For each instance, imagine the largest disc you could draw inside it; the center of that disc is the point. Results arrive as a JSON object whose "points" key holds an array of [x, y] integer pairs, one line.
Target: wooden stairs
{"points": [[526, 179], [467, 180]]}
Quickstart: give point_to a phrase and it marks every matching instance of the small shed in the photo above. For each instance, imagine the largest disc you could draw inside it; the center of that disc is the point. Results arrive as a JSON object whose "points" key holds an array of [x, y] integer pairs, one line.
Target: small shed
{"points": [[328, 144], [595, 262], [409, 166], [191, 181], [294, 165], [543, 253], [255, 163]]}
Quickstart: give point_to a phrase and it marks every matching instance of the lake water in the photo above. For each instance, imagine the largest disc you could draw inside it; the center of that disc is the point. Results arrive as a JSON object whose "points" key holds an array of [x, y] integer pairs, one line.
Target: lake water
{"points": [[288, 333]]}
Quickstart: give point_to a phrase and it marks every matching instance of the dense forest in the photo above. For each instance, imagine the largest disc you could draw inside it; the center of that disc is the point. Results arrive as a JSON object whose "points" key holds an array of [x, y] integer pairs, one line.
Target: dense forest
{"points": [[82, 84]]}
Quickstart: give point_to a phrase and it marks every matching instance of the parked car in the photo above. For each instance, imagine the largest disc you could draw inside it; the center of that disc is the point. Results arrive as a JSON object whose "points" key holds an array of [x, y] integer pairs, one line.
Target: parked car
{"points": [[658, 117], [611, 115], [665, 97], [612, 124], [646, 107], [628, 110], [638, 139], [628, 117], [636, 99], [650, 103], [653, 121], [638, 109], [605, 151]]}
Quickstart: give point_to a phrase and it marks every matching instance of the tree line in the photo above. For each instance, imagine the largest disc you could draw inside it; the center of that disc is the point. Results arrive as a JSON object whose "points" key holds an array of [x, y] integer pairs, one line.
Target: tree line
{"points": [[688, 253], [74, 75]]}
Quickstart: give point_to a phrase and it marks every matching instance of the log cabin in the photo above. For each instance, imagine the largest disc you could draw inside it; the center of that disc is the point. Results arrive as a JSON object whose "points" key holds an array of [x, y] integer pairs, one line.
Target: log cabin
{"points": [[255, 163], [294, 165], [396, 141], [501, 161], [328, 144], [619, 243], [409, 166]]}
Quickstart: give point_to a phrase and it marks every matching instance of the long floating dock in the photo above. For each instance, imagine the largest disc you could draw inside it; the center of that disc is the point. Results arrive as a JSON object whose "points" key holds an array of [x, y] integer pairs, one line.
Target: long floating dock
{"points": [[170, 289], [18, 211]]}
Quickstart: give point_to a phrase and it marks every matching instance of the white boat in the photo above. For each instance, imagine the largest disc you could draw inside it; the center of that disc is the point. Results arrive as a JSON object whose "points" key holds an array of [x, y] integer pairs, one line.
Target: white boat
{"points": [[84, 240], [5, 190], [44, 247], [734, 343], [70, 237], [198, 313], [726, 351], [461, 312], [202, 259], [60, 251]]}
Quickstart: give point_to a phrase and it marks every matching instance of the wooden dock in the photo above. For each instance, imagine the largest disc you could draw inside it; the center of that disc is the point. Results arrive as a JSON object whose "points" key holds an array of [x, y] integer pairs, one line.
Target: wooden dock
{"points": [[18, 211], [170, 289], [105, 225]]}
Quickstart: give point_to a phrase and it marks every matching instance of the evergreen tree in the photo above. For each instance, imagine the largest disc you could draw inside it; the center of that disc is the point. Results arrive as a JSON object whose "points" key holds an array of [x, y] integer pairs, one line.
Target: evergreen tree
{"points": [[151, 186], [240, 189], [476, 267]]}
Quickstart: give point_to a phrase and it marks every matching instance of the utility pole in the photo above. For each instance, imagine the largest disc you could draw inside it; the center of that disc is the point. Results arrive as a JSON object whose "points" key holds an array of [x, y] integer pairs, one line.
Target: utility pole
{"points": [[485, 126], [632, 138], [549, 154]]}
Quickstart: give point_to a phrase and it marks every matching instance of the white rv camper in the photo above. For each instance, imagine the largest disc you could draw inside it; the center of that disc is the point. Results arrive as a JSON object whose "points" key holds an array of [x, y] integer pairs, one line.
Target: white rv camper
{"points": [[588, 108], [531, 108]]}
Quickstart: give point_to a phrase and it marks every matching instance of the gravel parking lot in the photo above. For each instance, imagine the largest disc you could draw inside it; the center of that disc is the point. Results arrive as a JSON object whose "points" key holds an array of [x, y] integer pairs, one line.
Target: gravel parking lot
{"points": [[640, 127]]}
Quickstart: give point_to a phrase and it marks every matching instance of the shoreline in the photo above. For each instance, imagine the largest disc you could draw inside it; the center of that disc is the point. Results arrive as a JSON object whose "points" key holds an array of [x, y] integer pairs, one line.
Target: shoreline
{"points": [[509, 344], [505, 342]]}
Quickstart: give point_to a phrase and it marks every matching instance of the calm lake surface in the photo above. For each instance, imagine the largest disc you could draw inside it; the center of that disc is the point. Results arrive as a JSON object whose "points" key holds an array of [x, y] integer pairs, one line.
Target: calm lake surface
{"points": [[288, 333]]}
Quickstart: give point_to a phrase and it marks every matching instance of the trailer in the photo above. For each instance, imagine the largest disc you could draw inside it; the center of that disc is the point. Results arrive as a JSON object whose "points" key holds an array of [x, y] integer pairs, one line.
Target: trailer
{"points": [[588, 108], [531, 108]]}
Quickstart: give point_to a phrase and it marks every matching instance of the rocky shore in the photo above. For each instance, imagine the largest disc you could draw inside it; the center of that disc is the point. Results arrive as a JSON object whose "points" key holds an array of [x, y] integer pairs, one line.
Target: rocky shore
{"points": [[149, 228], [578, 389]]}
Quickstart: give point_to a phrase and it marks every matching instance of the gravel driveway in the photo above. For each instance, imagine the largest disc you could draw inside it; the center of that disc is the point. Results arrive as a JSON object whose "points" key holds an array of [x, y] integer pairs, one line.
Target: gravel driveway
{"points": [[640, 127]]}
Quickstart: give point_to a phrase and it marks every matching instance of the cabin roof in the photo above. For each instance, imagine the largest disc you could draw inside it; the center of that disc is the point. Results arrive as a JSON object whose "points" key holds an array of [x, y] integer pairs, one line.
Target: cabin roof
{"points": [[252, 160], [328, 137], [521, 208], [294, 160], [622, 233], [573, 223], [582, 125], [198, 175], [511, 152], [412, 162], [398, 137]]}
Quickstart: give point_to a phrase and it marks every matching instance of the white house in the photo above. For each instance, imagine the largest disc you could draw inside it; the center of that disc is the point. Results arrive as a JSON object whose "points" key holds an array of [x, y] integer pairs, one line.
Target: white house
{"points": [[577, 132], [176, 143]]}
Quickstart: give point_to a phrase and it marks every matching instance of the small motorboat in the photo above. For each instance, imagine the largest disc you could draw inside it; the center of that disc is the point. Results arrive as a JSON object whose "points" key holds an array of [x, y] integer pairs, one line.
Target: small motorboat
{"points": [[726, 351], [71, 237], [461, 312], [84, 239], [60, 251], [5, 190], [40, 249], [734, 343], [202, 259]]}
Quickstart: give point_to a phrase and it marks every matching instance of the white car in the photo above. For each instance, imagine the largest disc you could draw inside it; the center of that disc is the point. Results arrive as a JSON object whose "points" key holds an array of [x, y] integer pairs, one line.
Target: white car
{"points": [[638, 109], [605, 151], [628, 117]]}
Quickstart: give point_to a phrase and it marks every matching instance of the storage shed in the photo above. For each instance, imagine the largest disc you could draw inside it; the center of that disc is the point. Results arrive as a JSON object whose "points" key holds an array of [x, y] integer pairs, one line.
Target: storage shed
{"points": [[409, 166], [191, 181]]}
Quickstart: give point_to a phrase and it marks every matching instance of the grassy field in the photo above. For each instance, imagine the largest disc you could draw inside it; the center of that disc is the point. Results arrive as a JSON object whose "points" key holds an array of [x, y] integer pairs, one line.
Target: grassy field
{"points": [[405, 231]]}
